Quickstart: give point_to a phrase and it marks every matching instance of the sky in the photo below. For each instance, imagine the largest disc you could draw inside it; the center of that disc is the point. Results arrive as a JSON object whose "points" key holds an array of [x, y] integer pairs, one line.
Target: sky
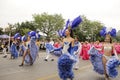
{"points": [[105, 11]]}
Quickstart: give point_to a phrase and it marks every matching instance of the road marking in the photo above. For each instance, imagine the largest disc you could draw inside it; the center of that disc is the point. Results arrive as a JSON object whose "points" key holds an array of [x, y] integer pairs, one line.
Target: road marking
{"points": [[55, 75], [47, 77], [12, 72]]}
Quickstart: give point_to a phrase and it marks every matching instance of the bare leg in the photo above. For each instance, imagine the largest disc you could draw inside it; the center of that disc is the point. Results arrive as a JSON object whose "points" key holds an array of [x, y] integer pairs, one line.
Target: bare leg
{"points": [[25, 53], [104, 65]]}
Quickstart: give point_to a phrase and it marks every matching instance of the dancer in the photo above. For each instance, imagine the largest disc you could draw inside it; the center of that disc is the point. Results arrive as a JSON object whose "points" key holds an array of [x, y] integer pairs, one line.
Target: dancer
{"points": [[25, 45], [13, 48], [105, 63], [38, 42], [49, 47], [31, 49], [77, 50], [84, 52], [108, 48], [67, 59]]}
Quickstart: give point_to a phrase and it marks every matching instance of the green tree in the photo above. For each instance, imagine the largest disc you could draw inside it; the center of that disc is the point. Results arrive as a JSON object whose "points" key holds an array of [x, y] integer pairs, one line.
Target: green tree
{"points": [[24, 27], [48, 24], [10, 29], [88, 30], [1, 30]]}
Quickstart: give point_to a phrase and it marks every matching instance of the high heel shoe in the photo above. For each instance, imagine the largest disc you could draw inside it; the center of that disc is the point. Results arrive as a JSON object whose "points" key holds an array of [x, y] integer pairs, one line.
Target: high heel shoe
{"points": [[21, 65]]}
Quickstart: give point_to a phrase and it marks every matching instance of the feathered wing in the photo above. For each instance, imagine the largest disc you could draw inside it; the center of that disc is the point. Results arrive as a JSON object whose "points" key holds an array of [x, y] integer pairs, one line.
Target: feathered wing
{"points": [[111, 65], [65, 65], [96, 60]]}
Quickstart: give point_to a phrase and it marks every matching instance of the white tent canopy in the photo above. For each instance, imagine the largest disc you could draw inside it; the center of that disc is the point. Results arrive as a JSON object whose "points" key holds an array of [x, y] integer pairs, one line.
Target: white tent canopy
{"points": [[42, 34], [4, 36]]}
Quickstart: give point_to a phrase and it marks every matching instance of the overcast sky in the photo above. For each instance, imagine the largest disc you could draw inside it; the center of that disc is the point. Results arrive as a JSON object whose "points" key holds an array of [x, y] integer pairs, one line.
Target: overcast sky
{"points": [[105, 11]]}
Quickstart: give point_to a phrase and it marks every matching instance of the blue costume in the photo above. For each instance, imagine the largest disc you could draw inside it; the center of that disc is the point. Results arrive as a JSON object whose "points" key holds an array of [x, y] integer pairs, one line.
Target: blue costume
{"points": [[66, 61], [76, 47], [58, 53], [76, 53], [13, 50], [111, 65], [49, 47], [96, 58], [31, 45], [33, 51], [22, 46]]}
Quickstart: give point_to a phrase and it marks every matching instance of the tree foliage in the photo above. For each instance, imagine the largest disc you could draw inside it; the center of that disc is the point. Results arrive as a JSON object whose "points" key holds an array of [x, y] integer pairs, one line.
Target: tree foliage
{"points": [[88, 30], [1, 30], [24, 27], [47, 23]]}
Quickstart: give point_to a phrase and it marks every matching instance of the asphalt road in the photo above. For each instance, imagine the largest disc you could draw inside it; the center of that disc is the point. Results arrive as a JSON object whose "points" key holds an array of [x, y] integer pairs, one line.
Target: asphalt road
{"points": [[42, 70]]}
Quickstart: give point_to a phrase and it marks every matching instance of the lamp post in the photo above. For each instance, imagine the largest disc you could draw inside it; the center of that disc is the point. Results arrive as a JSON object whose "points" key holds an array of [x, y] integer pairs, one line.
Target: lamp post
{"points": [[10, 31], [92, 33]]}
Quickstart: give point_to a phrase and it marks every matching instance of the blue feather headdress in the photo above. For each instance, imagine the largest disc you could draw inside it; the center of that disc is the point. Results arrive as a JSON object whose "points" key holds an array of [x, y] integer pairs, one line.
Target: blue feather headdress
{"points": [[72, 24], [17, 36], [110, 31], [60, 32], [23, 38], [33, 34]]}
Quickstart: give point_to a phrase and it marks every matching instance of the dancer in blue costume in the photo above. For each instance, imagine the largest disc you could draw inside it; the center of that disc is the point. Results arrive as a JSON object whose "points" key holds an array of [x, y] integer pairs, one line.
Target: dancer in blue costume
{"points": [[49, 47], [25, 45], [67, 59], [38, 42], [13, 49], [31, 49], [105, 63], [77, 49]]}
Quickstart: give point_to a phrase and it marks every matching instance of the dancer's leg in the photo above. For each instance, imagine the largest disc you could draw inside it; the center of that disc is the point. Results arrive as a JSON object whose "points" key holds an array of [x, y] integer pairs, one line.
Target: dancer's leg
{"points": [[104, 65], [25, 53]]}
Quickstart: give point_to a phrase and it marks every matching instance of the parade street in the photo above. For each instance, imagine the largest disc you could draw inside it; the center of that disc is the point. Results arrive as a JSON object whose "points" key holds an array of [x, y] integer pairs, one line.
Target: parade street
{"points": [[43, 70]]}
